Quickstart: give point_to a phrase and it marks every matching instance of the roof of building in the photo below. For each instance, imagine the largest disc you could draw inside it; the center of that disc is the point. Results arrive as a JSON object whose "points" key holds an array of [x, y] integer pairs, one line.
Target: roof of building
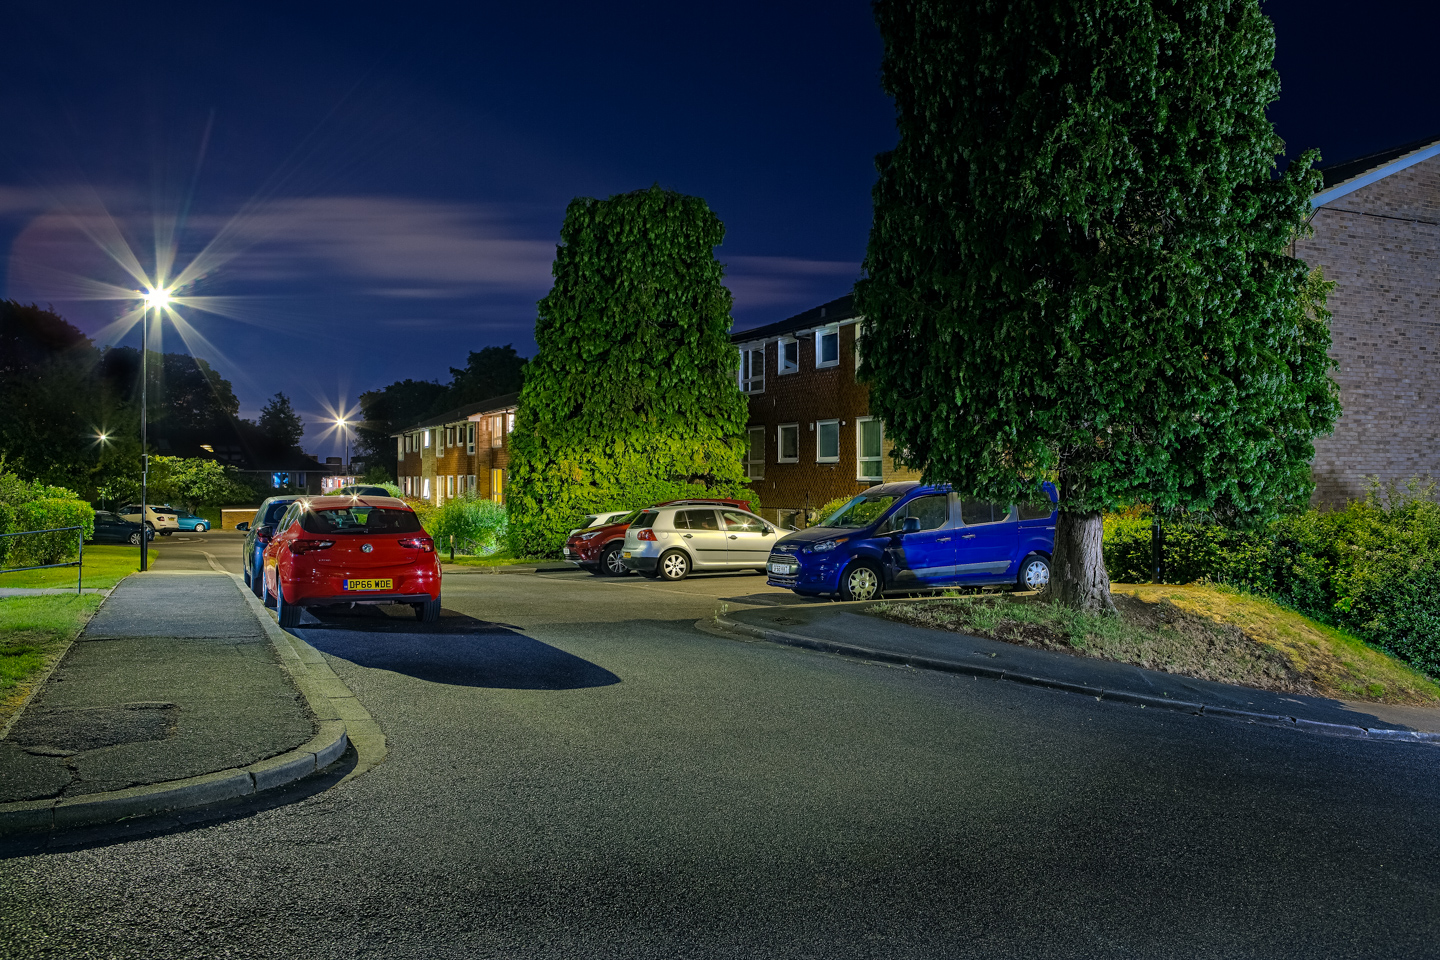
{"points": [[835, 311], [463, 413], [1351, 175]]}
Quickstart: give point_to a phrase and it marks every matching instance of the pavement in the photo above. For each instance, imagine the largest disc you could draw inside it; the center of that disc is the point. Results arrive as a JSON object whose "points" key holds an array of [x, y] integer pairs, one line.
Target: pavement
{"points": [[846, 628], [175, 695]]}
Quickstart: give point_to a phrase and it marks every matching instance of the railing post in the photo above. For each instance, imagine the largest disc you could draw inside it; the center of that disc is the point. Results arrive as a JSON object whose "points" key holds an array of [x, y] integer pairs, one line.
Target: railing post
{"points": [[80, 564]]}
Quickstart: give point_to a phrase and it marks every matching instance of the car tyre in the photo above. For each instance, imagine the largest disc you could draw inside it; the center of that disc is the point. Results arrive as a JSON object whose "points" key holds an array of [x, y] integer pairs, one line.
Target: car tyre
{"points": [[427, 611], [611, 563], [1034, 573], [166, 533], [201, 527], [248, 580], [673, 566], [135, 538], [288, 613], [265, 594], [257, 584], [861, 581]]}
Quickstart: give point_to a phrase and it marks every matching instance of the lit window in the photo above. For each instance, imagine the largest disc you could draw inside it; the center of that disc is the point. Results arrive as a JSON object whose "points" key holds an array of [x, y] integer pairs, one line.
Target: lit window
{"points": [[427, 440], [789, 350], [787, 443], [827, 441], [755, 454], [869, 436], [496, 425], [827, 347], [752, 369], [509, 423]]}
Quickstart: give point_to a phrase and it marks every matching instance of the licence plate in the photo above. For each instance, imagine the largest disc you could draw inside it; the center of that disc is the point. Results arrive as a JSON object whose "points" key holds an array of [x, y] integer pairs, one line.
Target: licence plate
{"points": [[625, 556], [784, 569], [369, 584]]}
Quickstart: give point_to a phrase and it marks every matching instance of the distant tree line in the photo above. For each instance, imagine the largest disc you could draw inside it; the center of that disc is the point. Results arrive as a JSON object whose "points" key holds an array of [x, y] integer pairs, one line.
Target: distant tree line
{"points": [[70, 411], [488, 372]]}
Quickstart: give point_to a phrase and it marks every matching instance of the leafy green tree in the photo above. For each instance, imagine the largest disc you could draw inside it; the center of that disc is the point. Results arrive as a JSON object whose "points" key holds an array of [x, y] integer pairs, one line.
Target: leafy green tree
{"points": [[390, 409], [280, 423], [196, 482], [1078, 267], [632, 397]]}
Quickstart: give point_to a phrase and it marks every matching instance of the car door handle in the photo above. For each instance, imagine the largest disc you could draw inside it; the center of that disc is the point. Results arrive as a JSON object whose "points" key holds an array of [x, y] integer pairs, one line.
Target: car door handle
{"points": [[942, 539], [967, 536], [733, 537], [689, 536]]}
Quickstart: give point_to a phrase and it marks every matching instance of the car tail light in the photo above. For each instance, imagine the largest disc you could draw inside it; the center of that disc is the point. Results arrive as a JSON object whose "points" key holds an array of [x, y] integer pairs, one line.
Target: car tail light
{"points": [[646, 534], [418, 543], [310, 546]]}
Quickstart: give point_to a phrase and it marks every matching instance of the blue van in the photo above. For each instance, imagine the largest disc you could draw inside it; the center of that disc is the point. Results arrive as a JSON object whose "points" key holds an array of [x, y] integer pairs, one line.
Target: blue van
{"points": [[908, 536]]}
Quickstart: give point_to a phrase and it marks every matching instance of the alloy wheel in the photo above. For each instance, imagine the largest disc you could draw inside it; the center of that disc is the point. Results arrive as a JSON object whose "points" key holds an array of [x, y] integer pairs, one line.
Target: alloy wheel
{"points": [[614, 564], [675, 566], [861, 583]]}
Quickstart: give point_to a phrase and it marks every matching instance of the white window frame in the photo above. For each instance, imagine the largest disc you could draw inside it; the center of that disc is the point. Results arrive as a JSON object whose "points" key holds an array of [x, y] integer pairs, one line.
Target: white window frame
{"points": [[780, 443], [470, 437], [781, 368], [747, 366], [860, 459], [425, 488], [509, 423], [820, 334], [820, 426], [756, 446], [427, 439]]}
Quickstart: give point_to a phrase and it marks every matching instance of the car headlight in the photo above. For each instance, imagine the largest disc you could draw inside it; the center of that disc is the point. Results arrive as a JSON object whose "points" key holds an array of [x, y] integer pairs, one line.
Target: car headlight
{"points": [[824, 546], [589, 536]]}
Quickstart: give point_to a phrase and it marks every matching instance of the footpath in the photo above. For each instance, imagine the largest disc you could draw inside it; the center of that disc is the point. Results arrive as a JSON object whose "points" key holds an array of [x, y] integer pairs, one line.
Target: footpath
{"points": [[180, 692], [843, 628]]}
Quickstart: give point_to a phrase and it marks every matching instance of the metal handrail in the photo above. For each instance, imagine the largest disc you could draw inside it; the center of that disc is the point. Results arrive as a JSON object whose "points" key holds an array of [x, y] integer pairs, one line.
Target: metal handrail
{"points": [[78, 562]]}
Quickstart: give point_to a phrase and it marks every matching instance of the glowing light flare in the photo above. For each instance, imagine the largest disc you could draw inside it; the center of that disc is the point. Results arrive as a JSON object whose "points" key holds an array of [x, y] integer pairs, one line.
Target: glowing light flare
{"points": [[157, 298]]}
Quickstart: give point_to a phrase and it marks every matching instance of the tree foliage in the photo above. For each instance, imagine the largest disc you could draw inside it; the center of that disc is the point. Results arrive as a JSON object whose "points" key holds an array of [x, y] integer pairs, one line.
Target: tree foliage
{"points": [[196, 482], [488, 372], [1078, 266], [632, 397], [280, 423]]}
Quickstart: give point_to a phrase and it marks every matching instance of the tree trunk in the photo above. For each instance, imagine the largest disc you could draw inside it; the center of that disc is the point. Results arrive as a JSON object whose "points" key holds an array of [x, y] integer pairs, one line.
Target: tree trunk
{"points": [[1079, 579]]}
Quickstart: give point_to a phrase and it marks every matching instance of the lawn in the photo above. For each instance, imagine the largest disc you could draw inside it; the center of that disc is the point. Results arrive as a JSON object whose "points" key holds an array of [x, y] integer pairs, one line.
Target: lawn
{"points": [[1204, 631], [105, 565], [34, 633], [500, 558]]}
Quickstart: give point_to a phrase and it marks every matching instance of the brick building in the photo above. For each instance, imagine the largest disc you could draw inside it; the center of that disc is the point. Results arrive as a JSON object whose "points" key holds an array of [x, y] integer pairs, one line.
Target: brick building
{"points": [[812, 438], [462, 450], [1377, 235]]}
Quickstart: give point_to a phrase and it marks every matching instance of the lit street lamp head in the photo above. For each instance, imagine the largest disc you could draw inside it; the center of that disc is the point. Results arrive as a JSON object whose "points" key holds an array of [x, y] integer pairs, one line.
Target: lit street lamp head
{"points": [[157, 298]]}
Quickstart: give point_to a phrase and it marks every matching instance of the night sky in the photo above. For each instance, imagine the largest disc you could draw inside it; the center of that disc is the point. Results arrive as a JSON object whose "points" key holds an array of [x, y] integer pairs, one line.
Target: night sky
{"points": [[378, 189]]}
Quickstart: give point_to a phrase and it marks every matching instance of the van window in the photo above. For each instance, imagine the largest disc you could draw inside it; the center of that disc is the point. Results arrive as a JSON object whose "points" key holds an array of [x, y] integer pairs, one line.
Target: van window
{"points": [[980, 511], [931, 511], [1039, 510]]}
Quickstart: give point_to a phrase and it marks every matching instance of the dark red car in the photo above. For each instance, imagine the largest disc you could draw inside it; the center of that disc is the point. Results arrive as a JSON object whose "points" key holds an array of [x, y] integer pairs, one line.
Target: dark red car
{"points": [[347, 550], [597, 549]]}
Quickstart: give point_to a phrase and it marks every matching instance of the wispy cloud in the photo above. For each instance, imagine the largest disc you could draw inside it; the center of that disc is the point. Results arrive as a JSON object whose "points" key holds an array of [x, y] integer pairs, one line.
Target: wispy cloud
{"points": [[759, 282]]}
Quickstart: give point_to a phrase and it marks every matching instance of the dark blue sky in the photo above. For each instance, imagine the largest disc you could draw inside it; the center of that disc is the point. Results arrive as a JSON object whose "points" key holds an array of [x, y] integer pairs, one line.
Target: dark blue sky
{"points": [[379, 188]]}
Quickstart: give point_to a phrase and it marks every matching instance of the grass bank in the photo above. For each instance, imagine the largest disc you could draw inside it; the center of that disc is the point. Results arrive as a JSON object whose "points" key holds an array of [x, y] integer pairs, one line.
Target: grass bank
{"points": [[1203, 631], [106, 564], [500, 558], [34, 633]]}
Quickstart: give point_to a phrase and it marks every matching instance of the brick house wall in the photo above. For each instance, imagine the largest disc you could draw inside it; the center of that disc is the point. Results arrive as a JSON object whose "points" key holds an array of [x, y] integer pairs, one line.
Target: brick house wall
{"points": [[462, 451], [1380, 243]]}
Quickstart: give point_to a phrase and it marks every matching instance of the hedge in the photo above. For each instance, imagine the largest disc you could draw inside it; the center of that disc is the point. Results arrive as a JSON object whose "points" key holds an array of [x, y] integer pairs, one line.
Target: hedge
{"points": [[37, 549]]}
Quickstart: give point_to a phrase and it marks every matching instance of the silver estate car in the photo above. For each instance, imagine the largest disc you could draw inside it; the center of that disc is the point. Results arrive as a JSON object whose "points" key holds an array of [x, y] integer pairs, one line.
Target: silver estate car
{"points": [[670, 541]]}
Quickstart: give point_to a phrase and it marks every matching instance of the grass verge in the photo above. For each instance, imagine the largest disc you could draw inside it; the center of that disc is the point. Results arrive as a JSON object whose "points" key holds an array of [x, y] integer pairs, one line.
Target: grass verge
{"points": [[34, 633], [1204, 631], [106, 564], [500, 558]]}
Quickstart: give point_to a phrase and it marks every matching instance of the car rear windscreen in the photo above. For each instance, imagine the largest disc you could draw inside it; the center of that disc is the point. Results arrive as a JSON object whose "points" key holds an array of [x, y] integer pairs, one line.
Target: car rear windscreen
{"points": [[646, 519], [359, 519]]}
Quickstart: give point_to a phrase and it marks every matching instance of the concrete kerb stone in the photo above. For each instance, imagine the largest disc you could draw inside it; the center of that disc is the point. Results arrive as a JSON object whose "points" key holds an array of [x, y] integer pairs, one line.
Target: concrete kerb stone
{"points": [[1119, 696], [327, 745]]}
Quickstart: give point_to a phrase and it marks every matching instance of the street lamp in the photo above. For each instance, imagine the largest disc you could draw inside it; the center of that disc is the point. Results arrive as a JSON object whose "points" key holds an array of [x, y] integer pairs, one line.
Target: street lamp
{"points": [[344, 426], [154, 300]]}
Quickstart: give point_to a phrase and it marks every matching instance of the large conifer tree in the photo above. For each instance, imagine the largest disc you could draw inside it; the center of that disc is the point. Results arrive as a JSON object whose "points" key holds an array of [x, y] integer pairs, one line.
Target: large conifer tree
{"points": [[632, 397], [1078, 266]]}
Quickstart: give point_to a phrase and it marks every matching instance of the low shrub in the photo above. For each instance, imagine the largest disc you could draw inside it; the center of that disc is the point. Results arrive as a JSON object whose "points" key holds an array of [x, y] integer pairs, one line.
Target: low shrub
{"points": [[41, 548], [477, 525]]}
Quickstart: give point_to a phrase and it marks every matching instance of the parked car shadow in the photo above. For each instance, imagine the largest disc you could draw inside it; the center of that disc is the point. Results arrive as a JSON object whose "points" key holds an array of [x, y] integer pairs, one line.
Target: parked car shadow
{"points": [[776, 599], [459, 650]]}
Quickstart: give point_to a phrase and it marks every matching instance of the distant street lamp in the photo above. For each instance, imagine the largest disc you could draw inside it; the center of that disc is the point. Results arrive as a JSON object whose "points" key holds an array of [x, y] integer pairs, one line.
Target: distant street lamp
{"points": [[156, 300], [344, 426]]}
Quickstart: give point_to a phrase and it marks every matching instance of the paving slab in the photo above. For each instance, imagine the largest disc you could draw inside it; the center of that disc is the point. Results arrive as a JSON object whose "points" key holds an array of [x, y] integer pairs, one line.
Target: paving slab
{"points": [[173, 678]]}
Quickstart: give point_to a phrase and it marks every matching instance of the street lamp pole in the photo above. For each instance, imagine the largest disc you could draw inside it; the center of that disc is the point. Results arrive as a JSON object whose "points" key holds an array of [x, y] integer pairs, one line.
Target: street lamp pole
{"points": [[144, 439]]}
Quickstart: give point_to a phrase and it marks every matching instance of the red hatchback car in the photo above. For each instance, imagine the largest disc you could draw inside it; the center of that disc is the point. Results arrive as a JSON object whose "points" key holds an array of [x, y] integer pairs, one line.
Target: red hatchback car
{"points": [[597, 549], [345, 550]]}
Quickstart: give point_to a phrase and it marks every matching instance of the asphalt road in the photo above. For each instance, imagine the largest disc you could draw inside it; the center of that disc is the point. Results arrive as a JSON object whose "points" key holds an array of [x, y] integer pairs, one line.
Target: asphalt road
{"points": [[576, 771]]}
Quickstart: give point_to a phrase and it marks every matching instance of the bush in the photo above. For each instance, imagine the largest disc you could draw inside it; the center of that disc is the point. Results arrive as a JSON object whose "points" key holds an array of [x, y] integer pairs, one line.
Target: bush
{"points": [[478, 525], [38, 549]]}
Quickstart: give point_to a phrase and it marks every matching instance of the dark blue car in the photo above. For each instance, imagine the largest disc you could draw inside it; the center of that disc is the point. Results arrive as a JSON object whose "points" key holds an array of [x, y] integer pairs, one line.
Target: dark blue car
{"points": [[258, 532], [908, 536]]}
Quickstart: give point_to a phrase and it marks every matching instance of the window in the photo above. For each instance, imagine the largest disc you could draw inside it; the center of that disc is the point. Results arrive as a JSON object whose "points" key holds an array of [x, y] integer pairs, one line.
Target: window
{"points": [[449, 436], [450, 485], [470, 484], [1039, 510], [497, 486], [360, 520], [789, 351], [509, 423], [427, 439], [755, 454], [787, 443], [470, 437], [426, 493], [827, 441], [400, 448], [737, 522], [497, 424], [752, 369], [696, 520], [932, 512], [974, 512], [868, 439], [827, 347]]}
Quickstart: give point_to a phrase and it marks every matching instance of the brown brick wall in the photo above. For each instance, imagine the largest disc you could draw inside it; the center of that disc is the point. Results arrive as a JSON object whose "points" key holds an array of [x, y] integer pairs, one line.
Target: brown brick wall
{"points": [[1381, 245], [436, 463], [805, 397]]}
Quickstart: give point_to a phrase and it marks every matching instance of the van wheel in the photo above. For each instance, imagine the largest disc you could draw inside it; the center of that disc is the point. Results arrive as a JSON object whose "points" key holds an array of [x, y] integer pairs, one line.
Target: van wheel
{"points": [[861, 582], [674, 565], [1034, 573]]}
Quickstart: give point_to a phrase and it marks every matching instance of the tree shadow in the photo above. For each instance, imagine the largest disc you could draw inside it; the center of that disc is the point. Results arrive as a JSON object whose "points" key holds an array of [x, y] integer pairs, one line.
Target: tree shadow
{"points": [[458, 650]]}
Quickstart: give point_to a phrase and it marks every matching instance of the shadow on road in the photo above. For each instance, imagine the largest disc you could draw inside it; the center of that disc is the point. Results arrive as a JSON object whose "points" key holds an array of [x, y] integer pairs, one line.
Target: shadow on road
{"points": [[459, 650]]}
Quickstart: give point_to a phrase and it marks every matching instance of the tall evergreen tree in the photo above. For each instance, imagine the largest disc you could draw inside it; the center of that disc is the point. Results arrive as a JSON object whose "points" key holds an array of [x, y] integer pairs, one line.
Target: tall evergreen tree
{"points": [[1078, 266], [280, 423], [632, 397]]}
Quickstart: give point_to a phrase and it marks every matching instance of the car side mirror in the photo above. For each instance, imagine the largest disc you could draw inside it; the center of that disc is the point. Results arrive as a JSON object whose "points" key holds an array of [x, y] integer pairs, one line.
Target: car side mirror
{"points": [[243, 526], [911, 525]]}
